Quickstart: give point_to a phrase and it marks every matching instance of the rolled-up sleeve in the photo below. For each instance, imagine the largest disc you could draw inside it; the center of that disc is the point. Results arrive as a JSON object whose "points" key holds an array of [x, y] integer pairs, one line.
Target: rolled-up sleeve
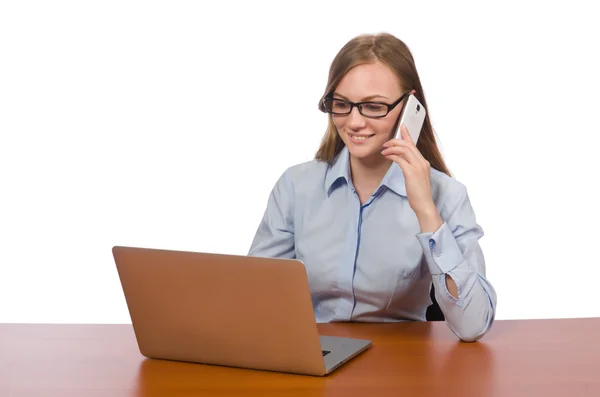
{"points": [[454, 250], [275, 235]]}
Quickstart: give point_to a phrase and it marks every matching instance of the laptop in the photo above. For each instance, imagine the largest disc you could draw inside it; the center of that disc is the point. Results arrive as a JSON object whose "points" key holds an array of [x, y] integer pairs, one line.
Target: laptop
{"points": [[228, 310]]}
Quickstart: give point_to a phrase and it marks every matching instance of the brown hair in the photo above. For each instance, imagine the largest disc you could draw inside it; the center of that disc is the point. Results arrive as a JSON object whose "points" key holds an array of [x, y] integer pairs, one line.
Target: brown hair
{"points": [[392, 52]]}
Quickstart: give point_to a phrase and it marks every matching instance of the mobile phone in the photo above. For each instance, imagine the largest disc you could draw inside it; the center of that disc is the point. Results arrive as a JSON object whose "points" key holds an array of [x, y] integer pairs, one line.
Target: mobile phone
{"points": [[413, 117]]}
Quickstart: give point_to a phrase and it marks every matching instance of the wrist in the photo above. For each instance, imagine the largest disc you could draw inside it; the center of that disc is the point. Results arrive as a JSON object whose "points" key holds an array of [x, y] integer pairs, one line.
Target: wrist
{"points": [[429, 219]]}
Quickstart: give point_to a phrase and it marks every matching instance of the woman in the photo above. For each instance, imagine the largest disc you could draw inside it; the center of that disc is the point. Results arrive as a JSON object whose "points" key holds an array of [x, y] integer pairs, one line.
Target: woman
{"points": [[377, 219]]}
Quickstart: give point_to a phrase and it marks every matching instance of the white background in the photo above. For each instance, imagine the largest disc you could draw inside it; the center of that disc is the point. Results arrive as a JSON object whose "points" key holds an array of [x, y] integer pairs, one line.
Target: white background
{"points": [[166, 124]]}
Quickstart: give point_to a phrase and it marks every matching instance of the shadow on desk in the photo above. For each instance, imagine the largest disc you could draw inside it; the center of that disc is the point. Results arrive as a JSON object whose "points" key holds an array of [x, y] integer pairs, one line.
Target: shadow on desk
{"points": [[465, 369], [170, 378]]}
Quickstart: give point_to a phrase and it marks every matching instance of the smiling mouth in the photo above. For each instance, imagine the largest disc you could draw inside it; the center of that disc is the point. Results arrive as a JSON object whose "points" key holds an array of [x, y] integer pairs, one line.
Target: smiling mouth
{"points": [[360, 137]]}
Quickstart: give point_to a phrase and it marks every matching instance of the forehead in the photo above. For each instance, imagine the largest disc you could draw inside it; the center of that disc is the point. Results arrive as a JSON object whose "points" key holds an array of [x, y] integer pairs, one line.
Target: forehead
{"points": [[368, 80]]}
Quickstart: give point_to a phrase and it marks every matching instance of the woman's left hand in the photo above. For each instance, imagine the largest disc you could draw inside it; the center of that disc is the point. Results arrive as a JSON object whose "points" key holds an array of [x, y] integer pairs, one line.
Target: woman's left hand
{"points": [[416, 170]]}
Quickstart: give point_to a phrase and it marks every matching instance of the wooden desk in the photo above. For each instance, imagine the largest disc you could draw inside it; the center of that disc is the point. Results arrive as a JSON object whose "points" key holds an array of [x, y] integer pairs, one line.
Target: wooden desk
{"points": [[516, 358]]}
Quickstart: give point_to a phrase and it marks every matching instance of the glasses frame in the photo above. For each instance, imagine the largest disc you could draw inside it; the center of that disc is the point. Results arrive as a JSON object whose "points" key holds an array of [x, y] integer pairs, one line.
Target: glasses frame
{"points": [[359, 105]]}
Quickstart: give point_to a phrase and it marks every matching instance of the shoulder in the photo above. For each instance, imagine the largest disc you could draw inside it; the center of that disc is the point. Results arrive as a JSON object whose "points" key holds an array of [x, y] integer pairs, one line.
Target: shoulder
{"points": [[300, 182], [305, 174], [447, 191], [307, 169], [446, 183]]}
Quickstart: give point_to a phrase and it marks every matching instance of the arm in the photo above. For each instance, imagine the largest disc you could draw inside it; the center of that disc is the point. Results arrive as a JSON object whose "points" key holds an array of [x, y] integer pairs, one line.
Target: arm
{"points": [[457, 266], [275, 234], [429, 224]]}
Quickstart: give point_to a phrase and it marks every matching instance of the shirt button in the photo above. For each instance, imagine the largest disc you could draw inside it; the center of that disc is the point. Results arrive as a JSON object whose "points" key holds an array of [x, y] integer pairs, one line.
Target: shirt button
{"points": [[432, 248]]}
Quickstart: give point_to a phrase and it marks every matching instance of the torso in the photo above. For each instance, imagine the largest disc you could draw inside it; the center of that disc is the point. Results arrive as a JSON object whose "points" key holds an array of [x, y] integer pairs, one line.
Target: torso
{"points": [[362, 257]]}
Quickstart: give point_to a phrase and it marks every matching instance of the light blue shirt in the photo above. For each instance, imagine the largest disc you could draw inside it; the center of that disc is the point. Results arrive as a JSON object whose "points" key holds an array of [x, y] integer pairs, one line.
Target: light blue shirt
{"points": [[370, 262]]}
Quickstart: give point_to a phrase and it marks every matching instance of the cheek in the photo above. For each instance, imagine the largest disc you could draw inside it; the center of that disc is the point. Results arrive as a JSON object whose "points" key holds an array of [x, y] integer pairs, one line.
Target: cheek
{"points": [[384, 127], [339, 124]]}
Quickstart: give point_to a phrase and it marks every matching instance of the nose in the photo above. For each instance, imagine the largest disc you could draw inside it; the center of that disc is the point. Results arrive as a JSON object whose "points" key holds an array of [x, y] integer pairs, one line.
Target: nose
{"points": [[355, 119]]}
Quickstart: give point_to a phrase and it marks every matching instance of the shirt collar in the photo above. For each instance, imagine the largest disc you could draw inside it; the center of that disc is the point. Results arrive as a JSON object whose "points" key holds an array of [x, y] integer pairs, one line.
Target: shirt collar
{"points": [[394, 180], [339, 171]]}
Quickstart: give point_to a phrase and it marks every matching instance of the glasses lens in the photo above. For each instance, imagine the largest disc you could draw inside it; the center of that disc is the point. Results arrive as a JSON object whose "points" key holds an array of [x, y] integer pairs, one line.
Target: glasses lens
{"points": [[373, 109], [337, 106]]}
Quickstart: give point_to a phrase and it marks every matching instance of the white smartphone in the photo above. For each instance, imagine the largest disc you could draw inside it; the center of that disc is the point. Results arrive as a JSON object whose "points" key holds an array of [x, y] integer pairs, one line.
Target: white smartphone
{"points": [[413, 117]]}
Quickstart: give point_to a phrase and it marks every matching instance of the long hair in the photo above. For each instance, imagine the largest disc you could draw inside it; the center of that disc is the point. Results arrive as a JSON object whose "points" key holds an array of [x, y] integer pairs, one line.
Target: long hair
{"points": [[392, 52]]}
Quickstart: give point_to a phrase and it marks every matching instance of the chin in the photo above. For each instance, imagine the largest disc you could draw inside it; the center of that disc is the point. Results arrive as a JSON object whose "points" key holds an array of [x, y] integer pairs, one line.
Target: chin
{"points": [[363, 152]]}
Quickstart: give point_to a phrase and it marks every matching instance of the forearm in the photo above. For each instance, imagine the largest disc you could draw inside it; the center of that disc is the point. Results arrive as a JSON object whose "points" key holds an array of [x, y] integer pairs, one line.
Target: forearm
{"points": [[469, 309], [430, 221], [464, 295]]}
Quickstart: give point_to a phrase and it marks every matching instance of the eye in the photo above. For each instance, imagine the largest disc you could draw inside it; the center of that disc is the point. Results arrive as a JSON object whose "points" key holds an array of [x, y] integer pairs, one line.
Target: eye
{"points": [[374, 107], [340, 105]]}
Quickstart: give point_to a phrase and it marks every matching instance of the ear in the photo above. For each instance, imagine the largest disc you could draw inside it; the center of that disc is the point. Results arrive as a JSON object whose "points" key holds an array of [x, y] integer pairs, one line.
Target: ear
{"points": [[413, 92]]}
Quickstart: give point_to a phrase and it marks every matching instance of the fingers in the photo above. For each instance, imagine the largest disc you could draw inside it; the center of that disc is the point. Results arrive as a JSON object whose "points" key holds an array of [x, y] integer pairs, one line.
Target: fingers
{"points": [[403, 151], [405, 142], [405, 134], [401, 161], [403, 147], [405, 138]]}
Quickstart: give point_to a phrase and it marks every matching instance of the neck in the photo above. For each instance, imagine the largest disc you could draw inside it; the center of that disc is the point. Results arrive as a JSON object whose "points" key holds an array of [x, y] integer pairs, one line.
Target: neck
{"points": [[368, 173]]}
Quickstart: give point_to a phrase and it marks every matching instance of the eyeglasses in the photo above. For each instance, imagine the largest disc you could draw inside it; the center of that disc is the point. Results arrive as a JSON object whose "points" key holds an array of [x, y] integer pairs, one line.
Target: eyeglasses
{"points": [[374, 110]]}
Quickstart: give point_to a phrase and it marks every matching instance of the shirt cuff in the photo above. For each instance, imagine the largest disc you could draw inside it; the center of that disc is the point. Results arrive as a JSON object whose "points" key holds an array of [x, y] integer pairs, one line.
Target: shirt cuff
{"points": [[441, 250]]}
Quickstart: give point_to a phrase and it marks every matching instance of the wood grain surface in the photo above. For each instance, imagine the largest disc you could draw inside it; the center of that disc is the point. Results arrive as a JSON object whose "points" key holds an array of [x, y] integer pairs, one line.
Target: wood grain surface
{"points": [[516, 358]]}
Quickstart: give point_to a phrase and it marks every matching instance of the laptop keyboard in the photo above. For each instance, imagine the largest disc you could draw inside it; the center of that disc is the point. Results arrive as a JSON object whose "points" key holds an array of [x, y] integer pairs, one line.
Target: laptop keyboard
{"points": [[325, 352]]}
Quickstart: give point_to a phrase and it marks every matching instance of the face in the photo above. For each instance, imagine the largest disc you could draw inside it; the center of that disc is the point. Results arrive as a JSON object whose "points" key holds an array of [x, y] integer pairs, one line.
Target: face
{"points": [[364, 137]]}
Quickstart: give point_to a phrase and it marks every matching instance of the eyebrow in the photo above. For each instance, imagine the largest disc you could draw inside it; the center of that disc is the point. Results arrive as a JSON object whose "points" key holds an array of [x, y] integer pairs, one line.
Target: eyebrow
{"points": [[367, 98]]}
